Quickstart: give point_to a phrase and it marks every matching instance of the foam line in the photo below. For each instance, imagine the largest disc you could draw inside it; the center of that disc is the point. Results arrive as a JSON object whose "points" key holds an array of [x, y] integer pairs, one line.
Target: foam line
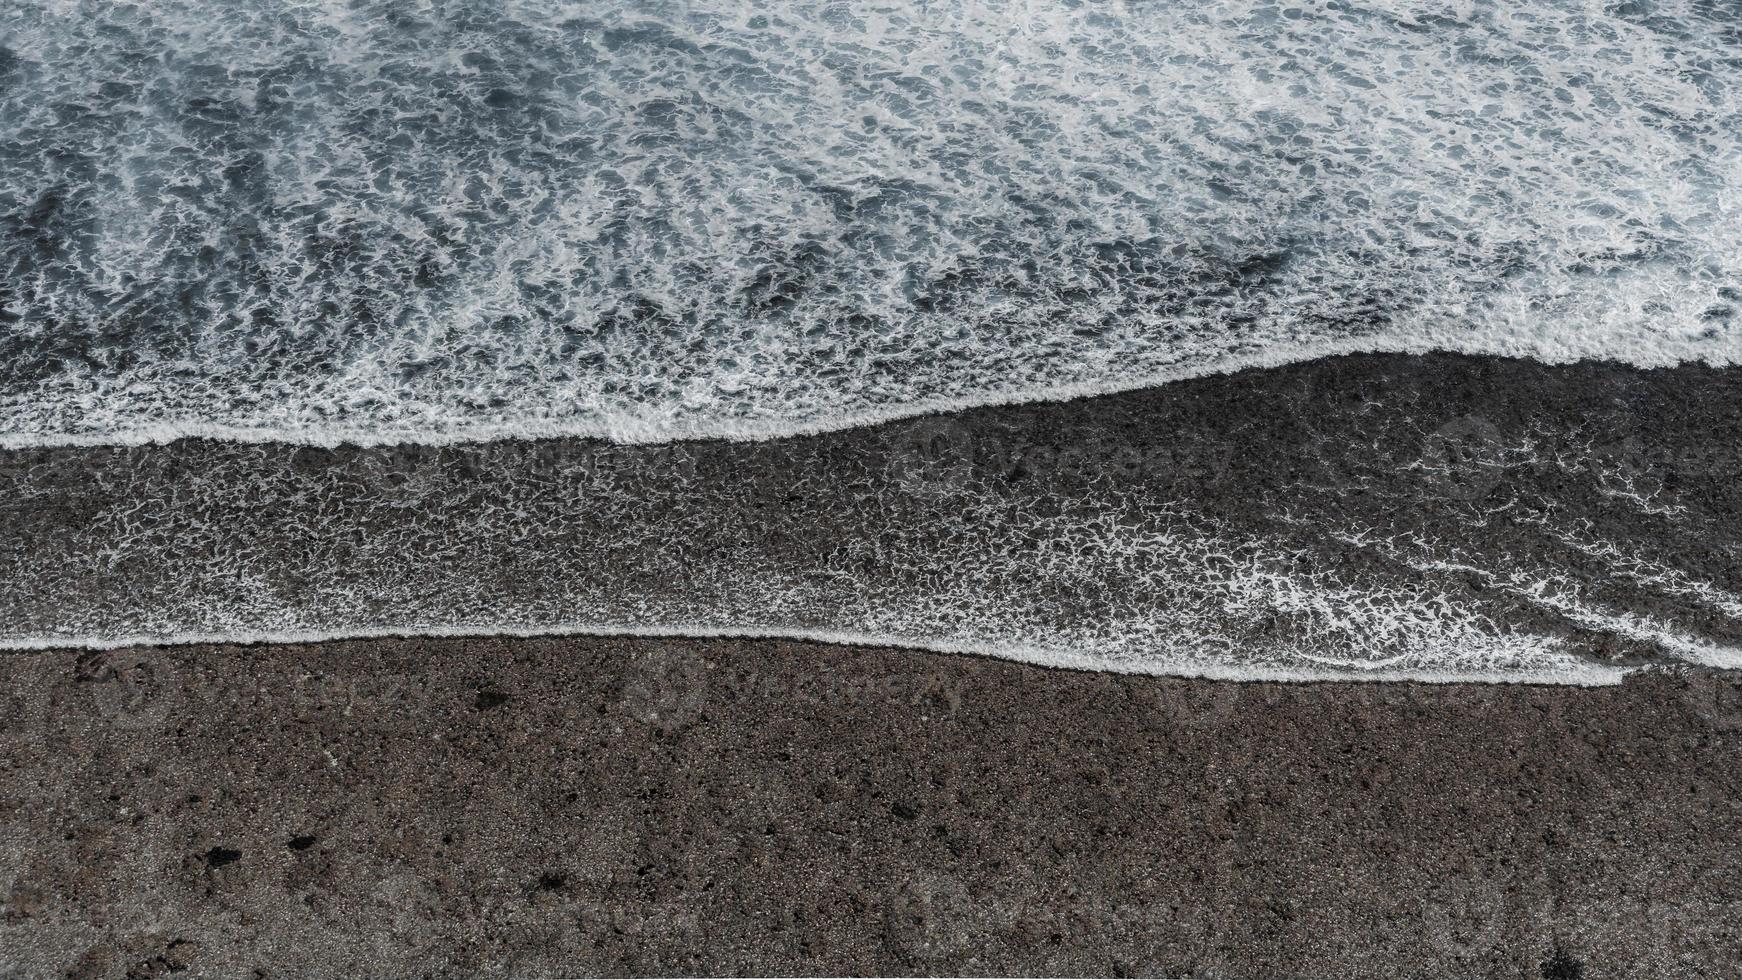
{"points": [[647, 433], [1574, 674]]}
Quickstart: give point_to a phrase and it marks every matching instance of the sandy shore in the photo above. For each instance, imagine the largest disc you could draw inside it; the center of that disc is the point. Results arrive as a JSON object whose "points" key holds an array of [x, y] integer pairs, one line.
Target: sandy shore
{"points": [[1385, 516], [585, 806]]}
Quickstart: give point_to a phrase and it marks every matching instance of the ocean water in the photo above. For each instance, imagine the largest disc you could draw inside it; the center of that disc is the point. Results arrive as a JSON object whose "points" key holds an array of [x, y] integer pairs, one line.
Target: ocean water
{"points": [[387, 222], [549, 242]]}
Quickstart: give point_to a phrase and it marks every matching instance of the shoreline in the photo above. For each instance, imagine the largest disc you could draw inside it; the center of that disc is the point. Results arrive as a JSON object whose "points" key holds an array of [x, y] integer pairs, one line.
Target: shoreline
{"points": [[1433, 517], [651, 435], [1039, 658]]}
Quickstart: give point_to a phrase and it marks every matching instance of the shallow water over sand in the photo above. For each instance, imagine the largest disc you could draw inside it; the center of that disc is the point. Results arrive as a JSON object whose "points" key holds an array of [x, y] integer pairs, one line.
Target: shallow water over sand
{"points": [[1367, 518]]}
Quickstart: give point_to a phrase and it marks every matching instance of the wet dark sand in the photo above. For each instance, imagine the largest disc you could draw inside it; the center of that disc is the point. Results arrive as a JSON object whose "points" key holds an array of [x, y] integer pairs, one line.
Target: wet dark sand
{"points": [[585, 806], [1595, 506]]}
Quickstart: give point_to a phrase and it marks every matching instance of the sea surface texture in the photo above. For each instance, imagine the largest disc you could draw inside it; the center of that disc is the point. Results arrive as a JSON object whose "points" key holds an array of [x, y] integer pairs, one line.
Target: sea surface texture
{"points": [[1414, 327], [404, 221]]}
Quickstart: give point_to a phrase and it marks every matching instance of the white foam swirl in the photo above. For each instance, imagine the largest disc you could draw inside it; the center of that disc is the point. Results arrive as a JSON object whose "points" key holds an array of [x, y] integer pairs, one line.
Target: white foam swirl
{"points": [[383, 222]]}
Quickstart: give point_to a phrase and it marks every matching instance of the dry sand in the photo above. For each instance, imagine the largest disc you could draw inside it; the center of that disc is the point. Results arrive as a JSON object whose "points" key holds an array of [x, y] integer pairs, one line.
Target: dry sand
{"points": [[586, 806]]}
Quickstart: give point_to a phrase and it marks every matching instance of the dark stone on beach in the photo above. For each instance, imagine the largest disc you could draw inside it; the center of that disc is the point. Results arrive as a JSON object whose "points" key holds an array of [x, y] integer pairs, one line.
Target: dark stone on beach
{"points": [[217, 857], [1560, 966]]}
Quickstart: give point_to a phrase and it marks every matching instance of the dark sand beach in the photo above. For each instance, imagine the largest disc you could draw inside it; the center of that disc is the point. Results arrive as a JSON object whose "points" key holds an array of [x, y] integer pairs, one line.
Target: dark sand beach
{"points": [[588, 806], [1237, 490]]}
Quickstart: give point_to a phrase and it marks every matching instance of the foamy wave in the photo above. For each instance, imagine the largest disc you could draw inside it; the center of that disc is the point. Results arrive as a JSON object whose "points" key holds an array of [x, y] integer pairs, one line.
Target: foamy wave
{"points": [[377, 222], [633, 426], [1266, 527], [261, 546]]}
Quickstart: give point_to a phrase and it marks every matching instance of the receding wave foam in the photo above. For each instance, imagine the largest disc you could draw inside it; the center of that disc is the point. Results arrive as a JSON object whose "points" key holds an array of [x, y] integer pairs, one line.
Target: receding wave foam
{"points": [[1552, 671], [382, 222], [264, 545], [1352, 520]]}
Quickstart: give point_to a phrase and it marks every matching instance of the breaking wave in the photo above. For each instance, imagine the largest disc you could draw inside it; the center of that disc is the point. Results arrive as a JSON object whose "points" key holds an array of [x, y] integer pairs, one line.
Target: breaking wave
{"points": [[381, 222]]}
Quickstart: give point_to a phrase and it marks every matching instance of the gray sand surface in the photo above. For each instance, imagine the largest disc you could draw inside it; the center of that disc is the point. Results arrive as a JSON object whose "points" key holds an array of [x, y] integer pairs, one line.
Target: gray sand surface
{"points": [[588, 806]]}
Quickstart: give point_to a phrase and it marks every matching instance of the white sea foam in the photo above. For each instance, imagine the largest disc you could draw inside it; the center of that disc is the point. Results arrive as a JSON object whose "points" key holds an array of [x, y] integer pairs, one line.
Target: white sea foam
{"points": [[1572, 673], [640, 425], [330, 222], [238, 543]]}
